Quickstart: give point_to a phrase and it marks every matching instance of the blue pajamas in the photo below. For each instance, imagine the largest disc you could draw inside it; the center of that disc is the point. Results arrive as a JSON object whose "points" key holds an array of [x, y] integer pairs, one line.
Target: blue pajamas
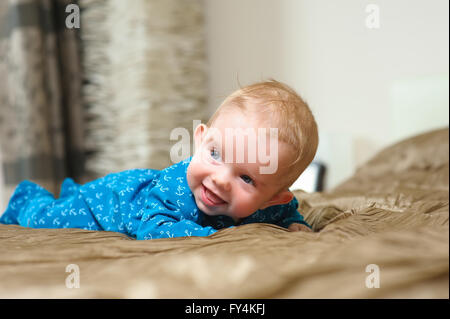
{"points": [[141, 203]]}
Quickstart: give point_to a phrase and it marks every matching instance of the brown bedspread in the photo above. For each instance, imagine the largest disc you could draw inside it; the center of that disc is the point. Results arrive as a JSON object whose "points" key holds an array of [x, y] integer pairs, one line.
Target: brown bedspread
{"points": [[392, 213]]}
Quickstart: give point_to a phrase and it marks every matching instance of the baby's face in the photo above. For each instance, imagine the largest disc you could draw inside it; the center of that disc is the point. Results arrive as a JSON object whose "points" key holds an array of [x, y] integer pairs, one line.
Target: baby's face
{"points": [[235, 187]]}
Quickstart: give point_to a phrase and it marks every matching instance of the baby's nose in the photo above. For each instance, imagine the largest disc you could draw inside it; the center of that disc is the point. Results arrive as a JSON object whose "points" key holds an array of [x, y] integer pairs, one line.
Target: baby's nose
{"points": [[222, 181]]}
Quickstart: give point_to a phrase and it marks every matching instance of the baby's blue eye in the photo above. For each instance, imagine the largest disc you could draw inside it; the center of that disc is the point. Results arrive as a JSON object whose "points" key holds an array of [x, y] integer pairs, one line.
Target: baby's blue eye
{"points": [[247, 179], [215, 154]]}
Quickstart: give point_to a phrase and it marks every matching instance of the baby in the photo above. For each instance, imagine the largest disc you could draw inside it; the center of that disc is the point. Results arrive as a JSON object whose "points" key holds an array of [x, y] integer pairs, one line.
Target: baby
{"points": [[225, 184]]}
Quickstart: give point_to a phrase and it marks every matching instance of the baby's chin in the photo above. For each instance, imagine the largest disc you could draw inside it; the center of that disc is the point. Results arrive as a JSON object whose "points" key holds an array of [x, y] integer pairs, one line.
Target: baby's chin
{"points": [[211, 211], [223, 209], [208, 210]]}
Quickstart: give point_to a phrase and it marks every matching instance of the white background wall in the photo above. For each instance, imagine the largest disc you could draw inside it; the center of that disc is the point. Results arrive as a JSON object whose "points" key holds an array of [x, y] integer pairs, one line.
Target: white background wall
{"points": [[367, 87]]}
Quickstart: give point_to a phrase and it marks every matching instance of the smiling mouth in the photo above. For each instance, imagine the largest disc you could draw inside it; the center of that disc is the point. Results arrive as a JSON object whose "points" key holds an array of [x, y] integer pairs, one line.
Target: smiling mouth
{"points": [[211, 199]]}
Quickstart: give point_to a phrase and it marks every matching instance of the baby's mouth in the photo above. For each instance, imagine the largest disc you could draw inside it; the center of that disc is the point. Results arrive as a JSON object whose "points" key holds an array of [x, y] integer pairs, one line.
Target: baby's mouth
{"points": [[209, 198]]}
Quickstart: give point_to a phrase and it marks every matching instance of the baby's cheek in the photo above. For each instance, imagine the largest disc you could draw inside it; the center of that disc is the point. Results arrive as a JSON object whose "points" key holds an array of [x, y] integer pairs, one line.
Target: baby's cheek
{"points": [[245, 208], [195, 173]]}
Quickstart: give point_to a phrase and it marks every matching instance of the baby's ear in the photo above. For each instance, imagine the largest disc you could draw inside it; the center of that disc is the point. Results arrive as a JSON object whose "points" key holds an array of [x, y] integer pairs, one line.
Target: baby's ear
{"points": [[281, 198], [199, 135]]}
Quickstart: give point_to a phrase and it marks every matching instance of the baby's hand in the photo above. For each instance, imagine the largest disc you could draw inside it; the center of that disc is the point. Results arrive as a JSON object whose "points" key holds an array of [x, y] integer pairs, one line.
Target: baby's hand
{"points": [[298, 227]]}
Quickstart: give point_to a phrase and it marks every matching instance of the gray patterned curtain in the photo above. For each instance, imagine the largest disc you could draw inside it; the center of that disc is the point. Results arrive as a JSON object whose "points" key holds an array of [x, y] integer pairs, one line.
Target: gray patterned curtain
{"points": [[144, 74], [40, 109]]}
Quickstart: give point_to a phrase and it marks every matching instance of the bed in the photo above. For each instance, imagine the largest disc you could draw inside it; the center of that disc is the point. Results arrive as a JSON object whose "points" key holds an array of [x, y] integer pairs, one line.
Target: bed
{"points": [[383, 233]]}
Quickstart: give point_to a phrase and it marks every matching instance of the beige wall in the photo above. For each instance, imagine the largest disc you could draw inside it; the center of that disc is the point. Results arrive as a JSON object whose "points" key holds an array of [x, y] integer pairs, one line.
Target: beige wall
{"points": [[367, 87]]}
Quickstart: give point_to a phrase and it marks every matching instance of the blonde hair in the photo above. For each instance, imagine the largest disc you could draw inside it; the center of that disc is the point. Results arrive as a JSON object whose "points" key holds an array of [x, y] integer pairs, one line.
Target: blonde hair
{"points": [[283, 108]]}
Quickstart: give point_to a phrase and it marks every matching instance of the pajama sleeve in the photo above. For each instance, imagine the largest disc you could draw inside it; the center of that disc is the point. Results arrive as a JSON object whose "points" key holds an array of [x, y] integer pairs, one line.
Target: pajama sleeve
{"points": [[163, 219], [291, 215]]}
